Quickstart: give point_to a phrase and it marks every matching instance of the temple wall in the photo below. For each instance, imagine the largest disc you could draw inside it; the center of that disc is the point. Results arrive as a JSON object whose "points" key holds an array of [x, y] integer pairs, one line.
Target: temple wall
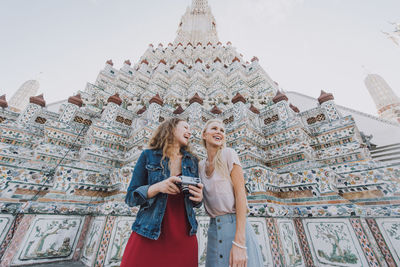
{"points": [[316, 197], [100, 241]]}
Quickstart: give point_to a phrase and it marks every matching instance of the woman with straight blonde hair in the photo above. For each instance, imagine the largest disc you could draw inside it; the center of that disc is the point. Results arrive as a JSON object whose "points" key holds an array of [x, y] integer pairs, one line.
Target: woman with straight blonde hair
{"points": [[164, 232], [231, 239]]}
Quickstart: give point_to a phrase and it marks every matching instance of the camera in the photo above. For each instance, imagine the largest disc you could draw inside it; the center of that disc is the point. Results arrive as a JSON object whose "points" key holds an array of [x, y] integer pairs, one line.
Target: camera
{"points": [[186, 181]]}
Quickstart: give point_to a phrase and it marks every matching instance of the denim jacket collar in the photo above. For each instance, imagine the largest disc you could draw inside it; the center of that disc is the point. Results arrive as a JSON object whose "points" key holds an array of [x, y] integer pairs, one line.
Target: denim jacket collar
{"points": [[183, 151]]}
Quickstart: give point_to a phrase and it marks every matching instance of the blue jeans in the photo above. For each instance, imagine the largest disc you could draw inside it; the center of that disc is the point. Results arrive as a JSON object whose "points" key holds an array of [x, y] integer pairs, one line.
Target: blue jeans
{"points": [[221, 233]]}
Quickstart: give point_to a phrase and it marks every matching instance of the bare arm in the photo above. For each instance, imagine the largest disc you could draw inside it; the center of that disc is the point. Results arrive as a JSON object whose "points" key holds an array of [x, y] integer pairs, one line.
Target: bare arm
{"points": [[238, 254], [241, 204]]}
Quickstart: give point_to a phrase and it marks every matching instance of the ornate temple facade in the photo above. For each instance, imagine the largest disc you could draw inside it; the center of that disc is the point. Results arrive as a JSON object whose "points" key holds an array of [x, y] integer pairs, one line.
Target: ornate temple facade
{"points": [[316, 196]]}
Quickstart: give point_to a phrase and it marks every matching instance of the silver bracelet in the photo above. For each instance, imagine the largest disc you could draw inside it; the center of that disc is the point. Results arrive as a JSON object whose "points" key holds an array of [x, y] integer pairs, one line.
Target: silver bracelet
{"points": [[238, 245]]}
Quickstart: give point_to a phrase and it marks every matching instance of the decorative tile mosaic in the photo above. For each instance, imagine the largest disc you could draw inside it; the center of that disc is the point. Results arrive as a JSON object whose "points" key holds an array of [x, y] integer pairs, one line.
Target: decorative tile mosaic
{"points": [[381, 242], [203, 224], [275, 247], [82, 237], [373, 243], [69, 111], [153, 113], [390, 230], [29, 113], [282, 111], [5, 224], [110, 112], [290, 243], [93, 239], [105, 241], [8, 226], [50, 238], [15, 243], [305, 247], [118, 240], [238, 112], [334, 243], [331, 110], [364, 242]]}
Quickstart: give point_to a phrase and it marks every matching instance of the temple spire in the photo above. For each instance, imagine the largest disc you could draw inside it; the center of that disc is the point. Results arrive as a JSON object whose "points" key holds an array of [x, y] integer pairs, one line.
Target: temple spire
{"points": [[197, 25], [199, 5]]}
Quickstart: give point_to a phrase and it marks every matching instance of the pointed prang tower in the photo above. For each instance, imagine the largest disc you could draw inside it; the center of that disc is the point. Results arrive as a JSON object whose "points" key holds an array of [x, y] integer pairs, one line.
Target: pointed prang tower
{"points": [[197, 25], [20, 99], [386, 101]]}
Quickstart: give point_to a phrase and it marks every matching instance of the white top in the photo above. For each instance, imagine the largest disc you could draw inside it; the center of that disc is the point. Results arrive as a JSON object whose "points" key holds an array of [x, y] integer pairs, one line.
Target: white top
{"points": [[219, 198]]}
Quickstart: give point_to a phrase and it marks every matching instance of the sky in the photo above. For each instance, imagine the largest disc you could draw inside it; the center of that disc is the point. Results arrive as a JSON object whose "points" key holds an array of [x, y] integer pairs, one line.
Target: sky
{"points": [[304, 45]]}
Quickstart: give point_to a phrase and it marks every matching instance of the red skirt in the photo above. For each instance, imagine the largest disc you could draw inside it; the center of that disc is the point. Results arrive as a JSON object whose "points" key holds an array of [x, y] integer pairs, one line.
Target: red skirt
{"points": [[174, 247]]}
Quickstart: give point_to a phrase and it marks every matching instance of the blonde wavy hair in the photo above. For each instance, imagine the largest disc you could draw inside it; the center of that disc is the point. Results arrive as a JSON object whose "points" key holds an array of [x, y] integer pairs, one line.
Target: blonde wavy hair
{"points": [[220, 165], [163, 137]]}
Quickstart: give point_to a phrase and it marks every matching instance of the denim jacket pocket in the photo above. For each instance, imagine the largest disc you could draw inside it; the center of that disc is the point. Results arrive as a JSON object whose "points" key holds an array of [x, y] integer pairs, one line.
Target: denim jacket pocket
{"points": [[155, 173], [190, 170]]}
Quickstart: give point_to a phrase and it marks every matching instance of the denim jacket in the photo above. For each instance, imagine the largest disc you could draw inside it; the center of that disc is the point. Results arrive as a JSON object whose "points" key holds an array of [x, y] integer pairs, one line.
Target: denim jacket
{"points": [[148, 171]]}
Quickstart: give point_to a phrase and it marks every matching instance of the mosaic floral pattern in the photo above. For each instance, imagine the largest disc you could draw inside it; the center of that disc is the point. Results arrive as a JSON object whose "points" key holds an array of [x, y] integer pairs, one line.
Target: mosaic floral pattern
{"points": [[275, 245], [29, 113], [365, 244], [7, 227], [290, 243], [14, 239], [105, 241], [334, 243], [68, 113], [260, 228], [5, 223], [331, 110], [49, 238], [203, 224], [305, 247], [118, 240], [93, 239], [390, 230], [282, 111]]}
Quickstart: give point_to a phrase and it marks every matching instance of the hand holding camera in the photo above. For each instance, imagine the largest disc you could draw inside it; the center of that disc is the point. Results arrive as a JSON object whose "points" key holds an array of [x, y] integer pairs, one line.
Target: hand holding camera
{"points": [[174, 185], [191, 186], [168, 186]]}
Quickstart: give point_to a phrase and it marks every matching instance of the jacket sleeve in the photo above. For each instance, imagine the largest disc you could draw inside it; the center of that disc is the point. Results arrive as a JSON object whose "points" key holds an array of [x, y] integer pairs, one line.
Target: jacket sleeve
{"points": [[138, 187], [197, 204]]}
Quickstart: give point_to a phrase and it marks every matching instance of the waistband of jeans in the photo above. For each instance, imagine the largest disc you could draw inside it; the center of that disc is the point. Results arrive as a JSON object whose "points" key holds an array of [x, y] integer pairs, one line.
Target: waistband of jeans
{"points": [[226, 218]]}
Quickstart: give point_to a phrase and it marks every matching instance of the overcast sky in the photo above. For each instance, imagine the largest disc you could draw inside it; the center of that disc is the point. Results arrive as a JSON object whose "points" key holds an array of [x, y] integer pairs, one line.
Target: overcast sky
{"points": [[304, 45]]}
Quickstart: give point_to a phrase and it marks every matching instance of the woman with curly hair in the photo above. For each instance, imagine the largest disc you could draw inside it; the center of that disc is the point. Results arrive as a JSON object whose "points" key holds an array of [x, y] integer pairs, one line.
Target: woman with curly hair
{"points": [[164, 232]]}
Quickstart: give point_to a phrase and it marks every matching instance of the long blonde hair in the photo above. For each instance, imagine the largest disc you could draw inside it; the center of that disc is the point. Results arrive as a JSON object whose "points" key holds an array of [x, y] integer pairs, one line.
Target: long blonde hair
{"points": [[163, 137], [220, 165]]}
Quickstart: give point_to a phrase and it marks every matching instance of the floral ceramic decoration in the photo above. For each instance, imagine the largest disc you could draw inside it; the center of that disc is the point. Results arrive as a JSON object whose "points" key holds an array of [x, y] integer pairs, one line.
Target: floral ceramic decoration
{"points": [[203, 223], [390, 228], [333, 243], [93, 239], [290, 243], [119, 238], [260, 229], [50, 238], [5, 223]]}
